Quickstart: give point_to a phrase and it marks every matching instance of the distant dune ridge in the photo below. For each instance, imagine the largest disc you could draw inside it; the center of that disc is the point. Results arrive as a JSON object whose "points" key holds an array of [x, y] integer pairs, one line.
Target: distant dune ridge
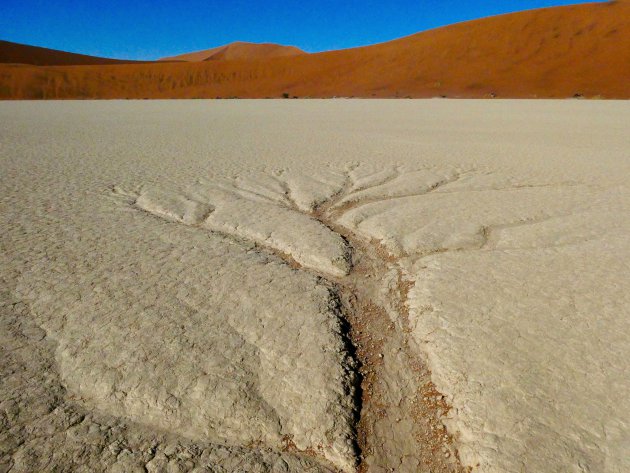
{"points": [[14, 53], [574, 51], [238, 50]]}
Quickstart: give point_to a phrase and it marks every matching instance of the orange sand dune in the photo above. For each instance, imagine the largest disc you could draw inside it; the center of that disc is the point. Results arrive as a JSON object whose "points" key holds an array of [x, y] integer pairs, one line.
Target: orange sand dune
{"points": [[555, 52], [238, 50], [14, 53]]}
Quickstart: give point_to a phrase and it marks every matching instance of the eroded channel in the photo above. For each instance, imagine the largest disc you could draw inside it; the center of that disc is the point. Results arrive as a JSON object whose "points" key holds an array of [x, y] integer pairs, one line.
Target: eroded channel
{"points": [[399, 426]]}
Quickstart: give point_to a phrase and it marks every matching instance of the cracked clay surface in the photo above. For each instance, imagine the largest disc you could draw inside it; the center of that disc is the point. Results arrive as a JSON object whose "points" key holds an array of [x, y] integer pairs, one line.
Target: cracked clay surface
{"points": [[434, 287]]}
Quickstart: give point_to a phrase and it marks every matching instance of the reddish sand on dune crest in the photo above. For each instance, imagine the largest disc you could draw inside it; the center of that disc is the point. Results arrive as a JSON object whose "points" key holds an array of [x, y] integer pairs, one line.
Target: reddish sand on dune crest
{"points": [[238, 50], [581, 50], [14, 53]]}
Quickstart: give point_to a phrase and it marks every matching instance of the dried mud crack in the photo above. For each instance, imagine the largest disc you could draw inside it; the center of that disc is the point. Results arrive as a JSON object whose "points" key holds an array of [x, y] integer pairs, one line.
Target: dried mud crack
{"points": [[400, 421], [399, 425]]}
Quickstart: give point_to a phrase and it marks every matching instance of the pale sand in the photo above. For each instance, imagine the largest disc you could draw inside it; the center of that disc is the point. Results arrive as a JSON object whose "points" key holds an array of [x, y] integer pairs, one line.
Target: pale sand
{"points": [[202, 286]]}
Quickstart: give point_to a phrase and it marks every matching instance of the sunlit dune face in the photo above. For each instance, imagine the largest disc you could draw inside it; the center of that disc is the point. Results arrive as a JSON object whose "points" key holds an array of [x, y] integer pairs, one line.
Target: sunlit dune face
{"points": [[577, 51]]}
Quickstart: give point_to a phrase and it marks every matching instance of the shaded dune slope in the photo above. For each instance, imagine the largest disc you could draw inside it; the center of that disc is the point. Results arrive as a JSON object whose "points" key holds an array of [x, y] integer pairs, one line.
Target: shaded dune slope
{"points": [[14, 53], [555, 52], [238, 50]]}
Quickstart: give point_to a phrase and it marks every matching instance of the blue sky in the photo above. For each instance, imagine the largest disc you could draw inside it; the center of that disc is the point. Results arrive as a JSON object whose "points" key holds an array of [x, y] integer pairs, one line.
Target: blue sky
{"points": [[148, 29]]}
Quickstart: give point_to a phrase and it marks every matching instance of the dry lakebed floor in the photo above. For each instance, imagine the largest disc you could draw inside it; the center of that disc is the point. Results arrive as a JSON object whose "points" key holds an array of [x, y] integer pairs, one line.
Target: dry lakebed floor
{"points": [[315, 286]]}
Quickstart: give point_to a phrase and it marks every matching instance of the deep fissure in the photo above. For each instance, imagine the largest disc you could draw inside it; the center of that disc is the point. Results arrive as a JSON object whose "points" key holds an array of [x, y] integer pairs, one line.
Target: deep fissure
{"points": [[370, 328], [399, 412]]}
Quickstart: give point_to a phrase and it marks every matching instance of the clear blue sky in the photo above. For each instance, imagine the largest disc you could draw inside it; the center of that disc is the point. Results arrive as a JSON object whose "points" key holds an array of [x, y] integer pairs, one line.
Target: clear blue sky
{"points": [[148, 29]]}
